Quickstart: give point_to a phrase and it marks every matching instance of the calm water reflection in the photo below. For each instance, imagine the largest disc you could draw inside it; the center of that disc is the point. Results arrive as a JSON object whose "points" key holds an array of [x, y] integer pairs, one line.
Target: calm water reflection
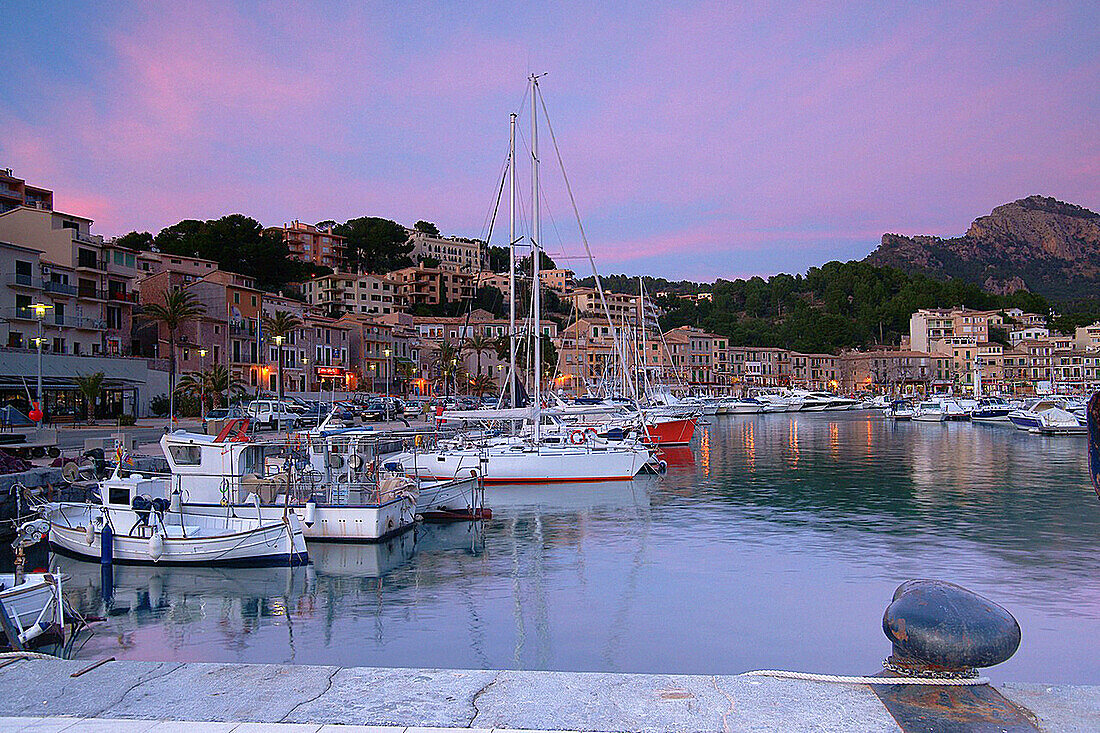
{"points": [[775, 541]]}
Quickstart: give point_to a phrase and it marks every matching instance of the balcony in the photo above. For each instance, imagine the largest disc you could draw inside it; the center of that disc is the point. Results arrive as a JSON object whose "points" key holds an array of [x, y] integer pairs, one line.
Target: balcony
{"points": [[89, 264], [122, 296], [19, 314], [91, 294], [59, 288], [24, 281]]}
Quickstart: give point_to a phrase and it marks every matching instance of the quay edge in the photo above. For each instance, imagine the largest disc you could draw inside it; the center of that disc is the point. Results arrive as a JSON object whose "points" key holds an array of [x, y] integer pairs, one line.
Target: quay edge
{"points": [[478, 699]]}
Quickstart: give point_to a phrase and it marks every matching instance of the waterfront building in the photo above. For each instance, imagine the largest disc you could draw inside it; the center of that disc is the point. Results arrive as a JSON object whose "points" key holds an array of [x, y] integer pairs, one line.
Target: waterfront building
{"points": [[308, 243], [815, 371], [340, 293], [759, 366], [466, 255], [889, 371], [87, 281], [191, 268]]}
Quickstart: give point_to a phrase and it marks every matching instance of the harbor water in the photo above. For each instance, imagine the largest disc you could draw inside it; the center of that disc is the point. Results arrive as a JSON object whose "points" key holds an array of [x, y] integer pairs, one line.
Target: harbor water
{"points": [[773, 541]]}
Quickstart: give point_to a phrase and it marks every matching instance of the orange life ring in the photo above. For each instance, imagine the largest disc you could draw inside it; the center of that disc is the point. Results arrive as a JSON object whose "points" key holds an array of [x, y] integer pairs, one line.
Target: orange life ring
{"points": [[577, 437]]}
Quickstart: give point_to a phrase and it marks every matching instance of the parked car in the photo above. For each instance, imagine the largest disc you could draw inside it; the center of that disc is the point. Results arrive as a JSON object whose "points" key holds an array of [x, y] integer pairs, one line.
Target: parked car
{"points": [[273, 414]]}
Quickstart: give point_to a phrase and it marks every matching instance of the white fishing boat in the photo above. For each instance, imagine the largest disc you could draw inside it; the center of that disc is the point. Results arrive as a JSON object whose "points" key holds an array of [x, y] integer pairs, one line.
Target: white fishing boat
{"points": [[137, 521], [900, 410], [33, 605], [337, 484]]}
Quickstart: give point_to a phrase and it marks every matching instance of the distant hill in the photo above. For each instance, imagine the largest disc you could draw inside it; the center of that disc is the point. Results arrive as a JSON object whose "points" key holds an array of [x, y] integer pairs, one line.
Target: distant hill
{"points": [[1037, 243]]}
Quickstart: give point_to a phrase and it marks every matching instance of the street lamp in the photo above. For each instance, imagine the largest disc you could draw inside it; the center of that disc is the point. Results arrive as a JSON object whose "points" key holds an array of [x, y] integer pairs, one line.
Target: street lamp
{"points": [[39, 406], [202, 384], [279, 364], [386, 352]]}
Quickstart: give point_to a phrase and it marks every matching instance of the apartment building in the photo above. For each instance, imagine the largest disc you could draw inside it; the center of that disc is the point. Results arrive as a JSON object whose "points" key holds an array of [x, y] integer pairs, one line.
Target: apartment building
{"points": [[307, 243], [16, 192], [423, 285], [1027, 333], [756, 366], [621, 306], [929, 325], [342, 293], [560, 280], [467, 255], [886, 370], [192, 268], [815, 371], [87, 282], [1076, 371], [1087, 338]]}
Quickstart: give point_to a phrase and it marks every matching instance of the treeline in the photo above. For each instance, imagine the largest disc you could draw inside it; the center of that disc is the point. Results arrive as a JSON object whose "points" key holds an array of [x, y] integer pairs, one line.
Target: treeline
{"points": [[239, 243], [838, 305]]}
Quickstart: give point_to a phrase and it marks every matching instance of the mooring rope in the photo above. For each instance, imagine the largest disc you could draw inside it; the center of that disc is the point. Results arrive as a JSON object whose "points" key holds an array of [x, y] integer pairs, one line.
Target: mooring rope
{"points": [[856, 680]]}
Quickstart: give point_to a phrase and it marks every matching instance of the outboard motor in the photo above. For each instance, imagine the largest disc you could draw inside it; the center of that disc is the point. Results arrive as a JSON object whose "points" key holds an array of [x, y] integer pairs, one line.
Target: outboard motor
{"points": [[141, 506]]}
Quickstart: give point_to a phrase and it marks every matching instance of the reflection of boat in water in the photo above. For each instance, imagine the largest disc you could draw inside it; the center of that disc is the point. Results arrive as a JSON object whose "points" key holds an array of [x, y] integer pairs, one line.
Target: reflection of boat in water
{"points": [[469, 536], [359, 560], [571, 496], [158, 583], [677, 456]]}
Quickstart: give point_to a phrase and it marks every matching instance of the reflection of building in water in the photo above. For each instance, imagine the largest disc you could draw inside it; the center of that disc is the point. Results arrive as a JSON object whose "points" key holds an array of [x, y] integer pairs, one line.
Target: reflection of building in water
{"points": [[792, 443], [704, 450], [834, 441], [948, 458]]}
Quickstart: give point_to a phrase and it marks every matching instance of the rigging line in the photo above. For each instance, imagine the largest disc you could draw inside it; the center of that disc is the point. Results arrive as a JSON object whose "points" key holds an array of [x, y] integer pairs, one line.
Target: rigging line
{"points": [[491, 215], [584, 237]]}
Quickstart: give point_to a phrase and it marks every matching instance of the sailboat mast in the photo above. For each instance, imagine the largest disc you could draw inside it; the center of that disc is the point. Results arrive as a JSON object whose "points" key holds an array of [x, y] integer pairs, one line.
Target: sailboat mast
{"points": [[536, 254], [512, 376]]}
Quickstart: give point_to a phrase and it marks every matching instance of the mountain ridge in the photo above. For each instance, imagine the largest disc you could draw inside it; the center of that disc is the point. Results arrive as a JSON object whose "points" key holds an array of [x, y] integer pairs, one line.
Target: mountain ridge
{"points": [[1037, 243]]}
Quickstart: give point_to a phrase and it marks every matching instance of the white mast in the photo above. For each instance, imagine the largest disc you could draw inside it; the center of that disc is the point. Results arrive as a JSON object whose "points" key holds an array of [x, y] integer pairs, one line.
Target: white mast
{"points": [[536, 243], [512, 267]]}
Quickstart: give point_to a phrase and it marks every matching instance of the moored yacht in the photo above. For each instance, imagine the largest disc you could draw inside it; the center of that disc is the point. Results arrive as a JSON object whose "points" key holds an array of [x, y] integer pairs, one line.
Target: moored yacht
{"points": [[930, 411]]}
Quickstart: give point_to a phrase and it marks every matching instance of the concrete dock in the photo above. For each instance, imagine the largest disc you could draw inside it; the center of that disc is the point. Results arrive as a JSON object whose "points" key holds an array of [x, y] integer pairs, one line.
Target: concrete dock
{"points": [[41, 695]]}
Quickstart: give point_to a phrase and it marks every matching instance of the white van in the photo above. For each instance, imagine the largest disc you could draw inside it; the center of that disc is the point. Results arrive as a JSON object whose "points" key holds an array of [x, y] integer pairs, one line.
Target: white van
{"points": [[272, 414]]}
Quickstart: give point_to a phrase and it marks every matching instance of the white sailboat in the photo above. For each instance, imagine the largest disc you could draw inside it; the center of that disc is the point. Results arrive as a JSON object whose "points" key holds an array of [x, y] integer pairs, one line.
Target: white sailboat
{"points": [[530, 459]]}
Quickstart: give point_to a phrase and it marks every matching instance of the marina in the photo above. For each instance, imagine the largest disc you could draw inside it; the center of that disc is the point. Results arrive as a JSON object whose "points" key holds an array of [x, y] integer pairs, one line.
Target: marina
{"points": [[762, 520]]}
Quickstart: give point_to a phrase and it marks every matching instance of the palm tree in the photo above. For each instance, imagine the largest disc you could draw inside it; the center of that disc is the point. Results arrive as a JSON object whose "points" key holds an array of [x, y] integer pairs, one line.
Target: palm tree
{"points": [[179, 307], [482, 384], [447, 365], [478, 344], [90, 387], [405, 370], [278, 327], [210, 385]]}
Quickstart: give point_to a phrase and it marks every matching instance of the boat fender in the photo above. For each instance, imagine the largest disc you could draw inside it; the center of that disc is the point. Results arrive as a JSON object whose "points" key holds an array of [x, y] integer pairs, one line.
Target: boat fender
{"points": [[156, 546], [106, 544], [89, 534], [174, 504], [311, 513]]}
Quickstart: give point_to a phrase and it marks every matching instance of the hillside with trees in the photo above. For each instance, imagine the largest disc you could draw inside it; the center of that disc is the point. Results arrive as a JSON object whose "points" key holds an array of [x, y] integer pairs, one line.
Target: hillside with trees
{"points": [[838, 305]]}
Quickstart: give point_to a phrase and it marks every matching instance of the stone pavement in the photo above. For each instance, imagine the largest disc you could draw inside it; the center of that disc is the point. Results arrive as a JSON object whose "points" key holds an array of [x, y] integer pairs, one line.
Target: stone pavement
{"points": [[43, 693]]}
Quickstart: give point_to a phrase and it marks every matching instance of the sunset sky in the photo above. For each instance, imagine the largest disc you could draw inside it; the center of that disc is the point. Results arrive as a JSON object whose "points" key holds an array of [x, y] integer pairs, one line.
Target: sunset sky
{"points": [[702, 141]]}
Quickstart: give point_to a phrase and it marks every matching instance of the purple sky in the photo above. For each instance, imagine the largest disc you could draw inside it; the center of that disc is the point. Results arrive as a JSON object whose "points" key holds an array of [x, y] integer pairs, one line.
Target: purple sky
{"points": [[702, 141]]}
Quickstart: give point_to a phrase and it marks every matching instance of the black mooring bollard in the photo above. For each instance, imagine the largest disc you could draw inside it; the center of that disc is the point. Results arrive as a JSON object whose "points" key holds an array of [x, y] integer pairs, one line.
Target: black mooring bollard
{"points": [[937, 626], [942, 629]]}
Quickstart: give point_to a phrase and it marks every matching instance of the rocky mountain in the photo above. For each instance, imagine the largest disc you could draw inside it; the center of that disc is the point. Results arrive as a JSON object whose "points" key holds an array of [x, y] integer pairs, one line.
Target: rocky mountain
{"points": [[1037, 243]]}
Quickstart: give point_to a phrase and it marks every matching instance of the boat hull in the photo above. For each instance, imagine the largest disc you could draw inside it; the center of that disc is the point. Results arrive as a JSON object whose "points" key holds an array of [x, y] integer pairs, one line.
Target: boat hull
{"points": [[26, 600], [333, 523], [512, 465], [671, 432], [244, 542]]}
